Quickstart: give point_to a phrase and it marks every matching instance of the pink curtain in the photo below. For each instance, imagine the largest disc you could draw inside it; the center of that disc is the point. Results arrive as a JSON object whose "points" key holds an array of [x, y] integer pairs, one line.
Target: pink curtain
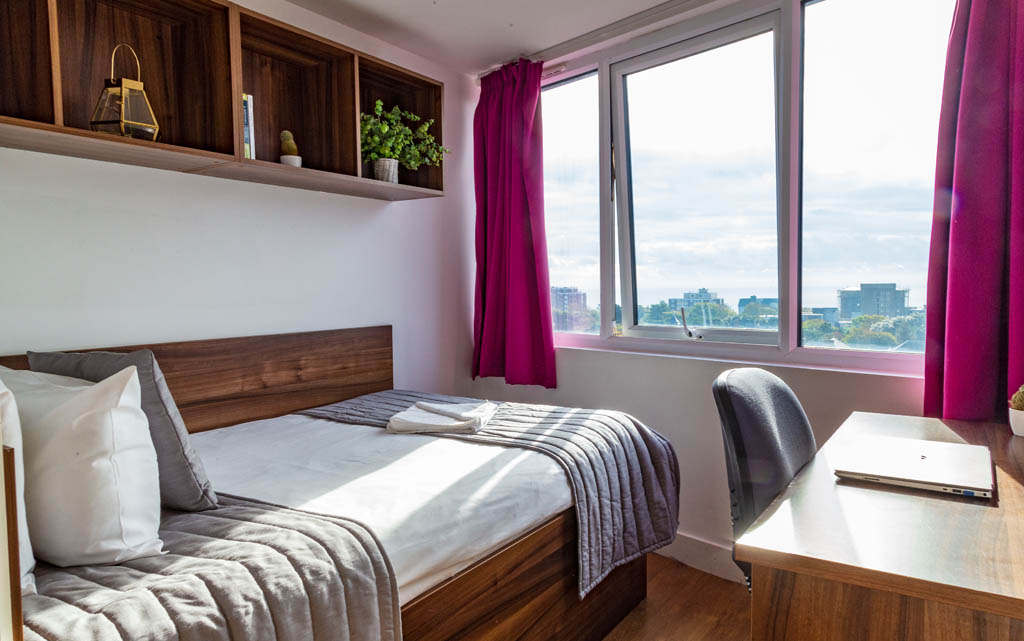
{"points": [[974, 355], [512, 320]]}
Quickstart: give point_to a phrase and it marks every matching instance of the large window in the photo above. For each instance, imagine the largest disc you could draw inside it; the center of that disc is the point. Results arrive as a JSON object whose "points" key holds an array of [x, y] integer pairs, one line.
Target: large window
{"points": [[772, 164], [699, 131], [571, 203], [870, 125]]}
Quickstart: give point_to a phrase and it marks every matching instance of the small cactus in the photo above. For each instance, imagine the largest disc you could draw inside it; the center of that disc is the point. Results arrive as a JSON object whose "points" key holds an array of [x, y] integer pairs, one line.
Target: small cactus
{"points": [[288, 146], [1017, 402]]}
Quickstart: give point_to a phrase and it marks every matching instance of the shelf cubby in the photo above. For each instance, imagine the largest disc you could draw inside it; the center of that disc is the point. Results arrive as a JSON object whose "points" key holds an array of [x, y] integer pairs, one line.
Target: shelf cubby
{"points": [[25, 68], [183, 48], [304, 85], [410, 92]]}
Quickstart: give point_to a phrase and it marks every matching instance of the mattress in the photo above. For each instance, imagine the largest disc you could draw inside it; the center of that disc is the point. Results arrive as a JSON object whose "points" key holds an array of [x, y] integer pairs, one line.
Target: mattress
{"points": [[437, 505]]}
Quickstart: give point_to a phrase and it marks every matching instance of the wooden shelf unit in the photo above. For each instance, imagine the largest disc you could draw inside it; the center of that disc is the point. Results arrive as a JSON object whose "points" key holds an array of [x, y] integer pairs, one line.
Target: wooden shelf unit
{"points": [[416, 94], [198, 57]]}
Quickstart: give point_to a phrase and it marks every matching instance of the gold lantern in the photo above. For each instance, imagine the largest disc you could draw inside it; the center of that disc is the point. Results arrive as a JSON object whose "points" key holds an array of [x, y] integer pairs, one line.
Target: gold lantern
{"points": [[123, 107]]}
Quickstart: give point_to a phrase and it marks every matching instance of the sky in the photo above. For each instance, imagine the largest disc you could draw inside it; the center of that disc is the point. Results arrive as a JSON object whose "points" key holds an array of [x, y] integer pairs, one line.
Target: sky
{"points": [[702, 150]]}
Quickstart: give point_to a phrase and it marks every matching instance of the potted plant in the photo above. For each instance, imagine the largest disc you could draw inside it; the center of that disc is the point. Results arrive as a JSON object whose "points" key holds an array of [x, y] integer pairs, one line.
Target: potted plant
{"points": [[387, 139], [1017, 412]]}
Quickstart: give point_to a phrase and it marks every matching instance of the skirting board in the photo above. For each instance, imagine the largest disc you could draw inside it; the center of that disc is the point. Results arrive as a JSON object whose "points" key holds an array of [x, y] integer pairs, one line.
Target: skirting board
{"points": [[704, 556]]}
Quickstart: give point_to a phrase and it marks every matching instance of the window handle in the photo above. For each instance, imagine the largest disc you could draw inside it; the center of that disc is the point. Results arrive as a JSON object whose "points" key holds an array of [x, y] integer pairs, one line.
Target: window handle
{"points": [[686, 330]]}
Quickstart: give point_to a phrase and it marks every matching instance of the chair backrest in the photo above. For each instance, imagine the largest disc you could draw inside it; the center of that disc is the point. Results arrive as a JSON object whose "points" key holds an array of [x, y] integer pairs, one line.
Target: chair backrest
{"points": [[767, 439]]}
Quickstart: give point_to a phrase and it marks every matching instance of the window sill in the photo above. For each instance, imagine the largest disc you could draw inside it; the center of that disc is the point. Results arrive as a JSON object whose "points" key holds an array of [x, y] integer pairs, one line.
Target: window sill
{"points": [[851, 361]]}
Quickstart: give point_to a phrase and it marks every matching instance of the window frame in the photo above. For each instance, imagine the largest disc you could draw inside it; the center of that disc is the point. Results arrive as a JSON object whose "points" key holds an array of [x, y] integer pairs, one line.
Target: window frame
{"points": [[696, 26], [760, 25]]}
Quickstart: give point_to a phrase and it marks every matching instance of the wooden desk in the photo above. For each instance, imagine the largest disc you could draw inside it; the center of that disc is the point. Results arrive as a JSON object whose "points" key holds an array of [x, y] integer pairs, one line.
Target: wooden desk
{"points": [[835, 560]]}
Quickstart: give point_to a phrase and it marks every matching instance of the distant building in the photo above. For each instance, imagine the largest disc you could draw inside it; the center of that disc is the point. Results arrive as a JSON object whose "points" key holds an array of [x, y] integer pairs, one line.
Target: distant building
{"points": [[690, 299], [882, 299], [766, 302], [849, 303], [567, 303], [828, 314]]}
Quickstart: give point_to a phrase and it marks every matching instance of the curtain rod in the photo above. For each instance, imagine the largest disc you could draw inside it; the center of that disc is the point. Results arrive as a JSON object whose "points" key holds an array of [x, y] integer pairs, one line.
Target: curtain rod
{"points": [[548, 71]]}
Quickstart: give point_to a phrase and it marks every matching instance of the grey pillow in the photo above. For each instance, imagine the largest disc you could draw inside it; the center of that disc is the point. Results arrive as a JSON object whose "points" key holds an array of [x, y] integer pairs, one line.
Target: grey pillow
{"points": [[183, 482]]}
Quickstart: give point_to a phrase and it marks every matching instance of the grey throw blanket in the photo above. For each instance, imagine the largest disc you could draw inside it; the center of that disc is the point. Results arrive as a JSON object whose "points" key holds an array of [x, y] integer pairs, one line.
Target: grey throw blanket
{"points": [[624, 475], [243, 571]]}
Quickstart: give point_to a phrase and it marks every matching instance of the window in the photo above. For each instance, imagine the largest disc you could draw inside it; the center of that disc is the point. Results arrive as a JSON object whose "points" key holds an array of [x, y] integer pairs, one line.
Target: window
{"points": [[772, 164], [870, 122], [701, 201], [572, 203]]}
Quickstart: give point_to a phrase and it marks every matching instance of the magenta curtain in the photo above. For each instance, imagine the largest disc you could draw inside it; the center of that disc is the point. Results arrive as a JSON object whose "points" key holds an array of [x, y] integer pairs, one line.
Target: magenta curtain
{"points": [[974, 355], [512, 317]]}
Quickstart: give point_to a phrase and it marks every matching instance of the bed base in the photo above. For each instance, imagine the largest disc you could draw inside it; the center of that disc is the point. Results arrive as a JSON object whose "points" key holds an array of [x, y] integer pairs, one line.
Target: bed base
{"points": [[526, 591]]}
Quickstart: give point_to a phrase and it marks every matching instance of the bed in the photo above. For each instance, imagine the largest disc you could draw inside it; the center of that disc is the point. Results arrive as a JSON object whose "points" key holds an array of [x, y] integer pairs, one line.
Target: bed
{"points": [[517, 581]]}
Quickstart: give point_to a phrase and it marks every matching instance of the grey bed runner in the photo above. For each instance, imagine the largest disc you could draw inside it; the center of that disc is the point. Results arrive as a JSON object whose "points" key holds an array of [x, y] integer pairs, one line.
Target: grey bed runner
{"points": [[245, 570], [624, 475]]}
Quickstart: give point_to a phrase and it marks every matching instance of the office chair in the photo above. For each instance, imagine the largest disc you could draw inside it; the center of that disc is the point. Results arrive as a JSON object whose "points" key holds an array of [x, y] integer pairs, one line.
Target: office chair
{"points": [[768, 439]]}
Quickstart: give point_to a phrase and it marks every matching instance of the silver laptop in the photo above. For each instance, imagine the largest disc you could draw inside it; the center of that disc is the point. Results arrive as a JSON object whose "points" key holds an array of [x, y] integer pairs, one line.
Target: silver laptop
{"points": [[956, 468]]}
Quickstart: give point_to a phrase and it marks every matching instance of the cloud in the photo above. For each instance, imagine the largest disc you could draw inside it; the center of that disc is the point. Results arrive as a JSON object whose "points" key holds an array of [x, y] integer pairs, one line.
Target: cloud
{"points": [[703, 161]]}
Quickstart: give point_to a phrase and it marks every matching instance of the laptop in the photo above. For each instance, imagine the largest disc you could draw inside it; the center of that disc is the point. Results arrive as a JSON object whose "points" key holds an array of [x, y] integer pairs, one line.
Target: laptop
{"points": [[955, 468]]}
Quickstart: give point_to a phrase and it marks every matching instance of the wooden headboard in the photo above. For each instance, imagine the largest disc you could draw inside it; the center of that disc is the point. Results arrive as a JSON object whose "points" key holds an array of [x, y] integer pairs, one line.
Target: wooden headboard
{"points": [[224, 381]]}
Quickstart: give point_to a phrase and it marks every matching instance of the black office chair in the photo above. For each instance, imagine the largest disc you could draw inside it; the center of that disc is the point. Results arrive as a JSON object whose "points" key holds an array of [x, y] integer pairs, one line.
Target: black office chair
{"points": [[767, 440]]}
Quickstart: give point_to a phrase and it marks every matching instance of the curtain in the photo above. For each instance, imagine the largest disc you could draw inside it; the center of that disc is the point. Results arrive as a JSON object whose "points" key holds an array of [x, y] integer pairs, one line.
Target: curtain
{"points": [[512, 312], [974, 355]]}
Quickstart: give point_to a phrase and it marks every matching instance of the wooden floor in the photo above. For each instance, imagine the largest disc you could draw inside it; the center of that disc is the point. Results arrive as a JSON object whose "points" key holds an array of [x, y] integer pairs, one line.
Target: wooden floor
{"points": [[684, 604]]}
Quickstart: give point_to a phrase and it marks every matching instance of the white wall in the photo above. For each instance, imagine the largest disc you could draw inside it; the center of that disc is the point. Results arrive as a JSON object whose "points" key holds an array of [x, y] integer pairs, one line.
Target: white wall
{"points": [[99, 254], [673, 395]]}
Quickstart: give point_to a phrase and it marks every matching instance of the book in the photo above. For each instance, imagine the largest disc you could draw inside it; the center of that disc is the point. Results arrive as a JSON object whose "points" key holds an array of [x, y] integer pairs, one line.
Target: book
{"points": [[252, 125], [245, 126], [248, 131]]}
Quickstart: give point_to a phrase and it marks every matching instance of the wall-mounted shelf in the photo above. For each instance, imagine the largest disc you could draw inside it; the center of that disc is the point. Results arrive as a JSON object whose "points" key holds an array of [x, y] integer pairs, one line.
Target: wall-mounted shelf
{"points": [[272, 173], [198, 57]]}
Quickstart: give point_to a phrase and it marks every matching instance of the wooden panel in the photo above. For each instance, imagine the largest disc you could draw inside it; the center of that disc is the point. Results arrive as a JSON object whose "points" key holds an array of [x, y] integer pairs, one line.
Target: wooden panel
{"points": [[526, 592], [27, 90], [220, 382], [303, 85], [272, 173], [13, 543], [97, 146], [183, 48], [58, 96], [798, 607], [380, 81], [957, 550]]}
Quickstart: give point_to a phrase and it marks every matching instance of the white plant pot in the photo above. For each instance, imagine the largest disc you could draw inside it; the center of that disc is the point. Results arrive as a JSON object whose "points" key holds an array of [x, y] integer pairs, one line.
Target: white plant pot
{"points": [[1017, 421], [291, 161], [386, 169]]}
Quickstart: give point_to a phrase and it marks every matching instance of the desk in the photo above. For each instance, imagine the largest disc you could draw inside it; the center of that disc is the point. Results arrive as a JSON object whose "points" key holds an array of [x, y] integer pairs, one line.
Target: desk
{"points": [[835, 560]]}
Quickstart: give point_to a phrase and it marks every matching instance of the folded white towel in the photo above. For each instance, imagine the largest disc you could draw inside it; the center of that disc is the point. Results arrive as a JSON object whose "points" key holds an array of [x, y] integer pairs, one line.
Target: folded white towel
{"points": [[482, 410], [461, 418]]}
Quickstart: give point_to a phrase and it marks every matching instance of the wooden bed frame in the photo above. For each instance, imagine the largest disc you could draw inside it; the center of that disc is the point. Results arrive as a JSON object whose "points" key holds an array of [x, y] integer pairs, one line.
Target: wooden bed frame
{"points": [[526, 591]]}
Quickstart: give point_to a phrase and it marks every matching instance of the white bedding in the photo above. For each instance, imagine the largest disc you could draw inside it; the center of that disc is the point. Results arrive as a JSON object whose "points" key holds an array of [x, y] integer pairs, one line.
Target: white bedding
{"points": [[437, 504]]}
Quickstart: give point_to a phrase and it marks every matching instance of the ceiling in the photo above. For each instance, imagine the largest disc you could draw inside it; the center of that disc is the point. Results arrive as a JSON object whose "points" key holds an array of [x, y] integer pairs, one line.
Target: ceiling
{"points": [[475, 35]]}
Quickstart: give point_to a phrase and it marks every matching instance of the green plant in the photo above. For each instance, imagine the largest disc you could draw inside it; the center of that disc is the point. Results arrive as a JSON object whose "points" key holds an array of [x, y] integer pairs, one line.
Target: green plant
{"points": [[387, 134], [1017, 402]]}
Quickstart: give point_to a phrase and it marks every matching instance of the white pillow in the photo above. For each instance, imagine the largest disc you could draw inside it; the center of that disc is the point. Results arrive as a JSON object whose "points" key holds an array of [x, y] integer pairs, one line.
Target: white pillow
{"points": [[11, 429], [92, 489]]}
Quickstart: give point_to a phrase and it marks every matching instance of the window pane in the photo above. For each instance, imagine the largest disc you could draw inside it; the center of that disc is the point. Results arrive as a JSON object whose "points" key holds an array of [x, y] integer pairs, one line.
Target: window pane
{"points": [[572, 203], [702, 168], [870, 126]]}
